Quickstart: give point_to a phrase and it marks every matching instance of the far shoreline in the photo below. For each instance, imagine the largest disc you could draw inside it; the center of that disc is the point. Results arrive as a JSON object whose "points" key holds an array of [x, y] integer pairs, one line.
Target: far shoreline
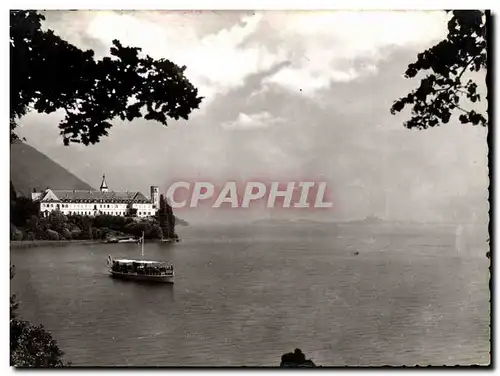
{"points": [[20, 244], [16, 244]]}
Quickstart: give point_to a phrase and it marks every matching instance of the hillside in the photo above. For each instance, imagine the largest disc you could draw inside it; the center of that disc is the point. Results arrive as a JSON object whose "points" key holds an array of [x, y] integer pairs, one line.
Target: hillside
{"points": [[31, 169]]}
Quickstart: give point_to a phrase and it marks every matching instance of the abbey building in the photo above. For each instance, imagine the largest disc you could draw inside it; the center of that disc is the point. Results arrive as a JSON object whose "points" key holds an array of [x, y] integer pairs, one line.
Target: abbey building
{"points": [[101, 202]]}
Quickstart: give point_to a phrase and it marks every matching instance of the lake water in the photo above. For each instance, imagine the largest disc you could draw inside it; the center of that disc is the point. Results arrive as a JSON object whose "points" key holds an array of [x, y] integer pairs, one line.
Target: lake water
{"points": [[244, 295]]}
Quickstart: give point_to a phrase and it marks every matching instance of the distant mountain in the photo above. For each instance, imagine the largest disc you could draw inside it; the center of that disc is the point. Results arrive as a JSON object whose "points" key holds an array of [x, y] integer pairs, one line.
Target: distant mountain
{"points": [[31, 169], [277, 221], [370, 220]]}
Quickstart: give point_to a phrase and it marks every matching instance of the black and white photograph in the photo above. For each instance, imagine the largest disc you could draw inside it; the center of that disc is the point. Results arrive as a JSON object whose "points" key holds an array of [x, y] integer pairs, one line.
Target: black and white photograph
{"points": [[250, 188]]}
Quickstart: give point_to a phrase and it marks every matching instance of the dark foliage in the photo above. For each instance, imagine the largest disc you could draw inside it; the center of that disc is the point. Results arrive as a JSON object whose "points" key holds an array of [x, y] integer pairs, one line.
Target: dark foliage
{"points": [[441, 91], [30, 345], [22, 209], [166, 219], [47, 73], [58, 226], [13, 194], [297, 359]]}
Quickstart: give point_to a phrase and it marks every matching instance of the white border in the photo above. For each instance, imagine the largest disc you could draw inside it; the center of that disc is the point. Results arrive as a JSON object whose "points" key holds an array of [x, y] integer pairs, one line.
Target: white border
{"points": [[252, 5], [179, 4]]}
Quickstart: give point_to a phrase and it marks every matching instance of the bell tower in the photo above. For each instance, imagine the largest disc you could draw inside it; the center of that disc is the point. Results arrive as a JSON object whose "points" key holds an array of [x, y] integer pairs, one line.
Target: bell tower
{"points": [[104, 186], [154, 196]]}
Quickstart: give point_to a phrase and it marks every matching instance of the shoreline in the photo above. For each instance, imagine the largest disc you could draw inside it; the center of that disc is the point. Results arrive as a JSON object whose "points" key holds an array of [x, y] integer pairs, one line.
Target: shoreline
{"points": [[16, 244], [20, 244]]}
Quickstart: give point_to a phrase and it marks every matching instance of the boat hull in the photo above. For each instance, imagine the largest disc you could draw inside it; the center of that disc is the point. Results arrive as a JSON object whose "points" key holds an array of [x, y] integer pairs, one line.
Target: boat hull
{"points": [[143, 277], [168, 241]]}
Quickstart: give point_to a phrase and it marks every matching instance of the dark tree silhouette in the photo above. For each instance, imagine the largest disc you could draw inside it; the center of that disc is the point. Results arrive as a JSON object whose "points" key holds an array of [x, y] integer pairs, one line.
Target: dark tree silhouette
{"points": [[47, 73], [166, 219], [441, 91], [22, 208]]}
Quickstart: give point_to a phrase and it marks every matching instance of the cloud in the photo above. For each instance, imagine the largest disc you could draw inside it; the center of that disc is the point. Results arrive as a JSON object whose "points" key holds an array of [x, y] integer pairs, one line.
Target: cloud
{"points": [[324, 46], [321, 45], [214, 62], [252, 121]]}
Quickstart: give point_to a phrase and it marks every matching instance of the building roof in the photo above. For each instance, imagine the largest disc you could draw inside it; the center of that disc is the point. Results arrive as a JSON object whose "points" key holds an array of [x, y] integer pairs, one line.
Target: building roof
{"points": [[103, 184], [97, 196]]}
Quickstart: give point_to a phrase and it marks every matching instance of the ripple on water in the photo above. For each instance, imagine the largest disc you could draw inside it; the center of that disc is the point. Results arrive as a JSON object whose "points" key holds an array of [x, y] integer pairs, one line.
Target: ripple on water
{"points": [[244, 298]]}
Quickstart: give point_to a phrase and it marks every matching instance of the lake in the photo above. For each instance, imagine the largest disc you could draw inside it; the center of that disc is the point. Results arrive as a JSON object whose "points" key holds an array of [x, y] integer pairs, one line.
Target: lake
{"points": [[244, 295]]}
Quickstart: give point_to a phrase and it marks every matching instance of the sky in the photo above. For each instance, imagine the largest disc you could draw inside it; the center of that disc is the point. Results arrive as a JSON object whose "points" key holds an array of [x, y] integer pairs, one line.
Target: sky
{"points": [[288, 96]]}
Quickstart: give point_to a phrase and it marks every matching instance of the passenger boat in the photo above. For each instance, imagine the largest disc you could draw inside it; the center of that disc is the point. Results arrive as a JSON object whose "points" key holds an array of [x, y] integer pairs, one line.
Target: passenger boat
{"points": [[141, 270]]}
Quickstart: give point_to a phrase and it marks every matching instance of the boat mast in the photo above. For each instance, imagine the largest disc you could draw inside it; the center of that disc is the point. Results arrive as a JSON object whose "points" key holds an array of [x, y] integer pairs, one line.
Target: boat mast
{"points": [[142, 246]]}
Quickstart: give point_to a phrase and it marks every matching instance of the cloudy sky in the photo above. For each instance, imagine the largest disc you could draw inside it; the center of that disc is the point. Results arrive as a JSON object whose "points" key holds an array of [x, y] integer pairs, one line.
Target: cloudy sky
{"points": [[288, 96]]}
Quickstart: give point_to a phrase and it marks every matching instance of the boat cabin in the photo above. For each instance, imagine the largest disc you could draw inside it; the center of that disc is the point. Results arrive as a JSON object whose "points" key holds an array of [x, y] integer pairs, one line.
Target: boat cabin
{"points": [[141, 267]]}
